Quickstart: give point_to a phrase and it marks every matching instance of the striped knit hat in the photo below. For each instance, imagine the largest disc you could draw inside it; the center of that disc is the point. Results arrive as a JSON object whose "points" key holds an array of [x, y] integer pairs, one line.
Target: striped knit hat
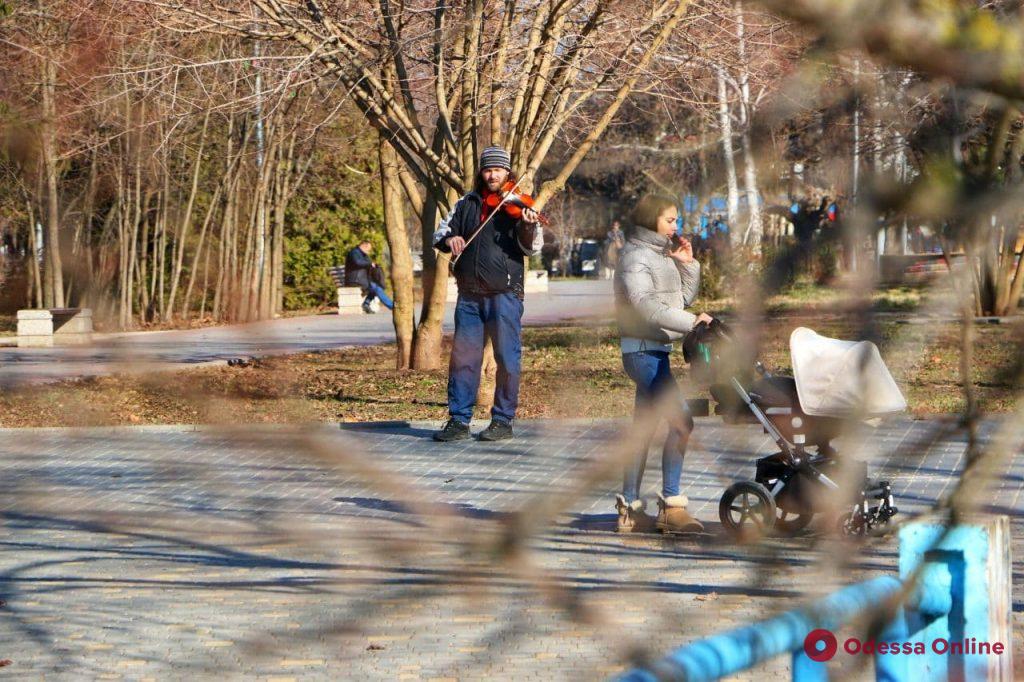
{"points": [[495, 157]]}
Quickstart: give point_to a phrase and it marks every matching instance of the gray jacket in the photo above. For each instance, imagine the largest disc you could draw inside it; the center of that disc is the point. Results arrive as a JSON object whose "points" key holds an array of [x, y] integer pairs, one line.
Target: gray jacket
{"points": [[652, 289]]}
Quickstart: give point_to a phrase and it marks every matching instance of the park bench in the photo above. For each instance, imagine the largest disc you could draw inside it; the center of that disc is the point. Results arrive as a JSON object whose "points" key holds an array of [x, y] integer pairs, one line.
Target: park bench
{"points": [[54, 327], [350, 299]]}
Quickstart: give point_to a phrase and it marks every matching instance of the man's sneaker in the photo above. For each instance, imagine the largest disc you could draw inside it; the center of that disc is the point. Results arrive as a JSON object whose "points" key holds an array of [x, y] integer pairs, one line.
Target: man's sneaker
{"points": [[368, 308], [453, 430], [497, 430], [632, 518]]}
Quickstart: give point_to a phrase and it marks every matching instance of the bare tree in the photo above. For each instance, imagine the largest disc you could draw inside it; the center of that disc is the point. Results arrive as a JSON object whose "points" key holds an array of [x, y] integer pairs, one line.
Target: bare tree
{"points": [[438, 80]]}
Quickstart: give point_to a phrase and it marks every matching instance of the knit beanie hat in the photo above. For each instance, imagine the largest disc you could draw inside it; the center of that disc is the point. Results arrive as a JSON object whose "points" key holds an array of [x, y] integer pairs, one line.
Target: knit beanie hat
{"points": [[495, 157]]}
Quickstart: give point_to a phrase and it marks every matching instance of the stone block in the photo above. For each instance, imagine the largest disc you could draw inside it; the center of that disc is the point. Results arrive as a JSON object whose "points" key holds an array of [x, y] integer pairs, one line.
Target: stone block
{"points": [[536, 281], [350, 300], [34, 315], [42, 341], [74, 325], [44, 328], [35, 327]]}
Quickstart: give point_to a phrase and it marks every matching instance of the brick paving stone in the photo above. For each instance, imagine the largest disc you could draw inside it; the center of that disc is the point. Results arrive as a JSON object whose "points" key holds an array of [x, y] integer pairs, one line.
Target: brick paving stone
{"points": [[275, 553]]}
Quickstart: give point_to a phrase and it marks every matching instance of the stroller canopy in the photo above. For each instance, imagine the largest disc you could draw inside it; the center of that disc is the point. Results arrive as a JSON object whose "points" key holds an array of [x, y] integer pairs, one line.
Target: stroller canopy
{"points": [[837, 378]]}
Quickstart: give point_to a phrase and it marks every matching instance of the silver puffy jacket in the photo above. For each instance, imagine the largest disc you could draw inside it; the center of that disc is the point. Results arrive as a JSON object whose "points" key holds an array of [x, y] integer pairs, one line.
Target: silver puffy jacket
{"points": [[652, 290]]}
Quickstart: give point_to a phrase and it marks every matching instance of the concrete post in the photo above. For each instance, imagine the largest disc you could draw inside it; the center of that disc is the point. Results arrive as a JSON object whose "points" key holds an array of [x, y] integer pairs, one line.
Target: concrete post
{"points": [[962, 608]]}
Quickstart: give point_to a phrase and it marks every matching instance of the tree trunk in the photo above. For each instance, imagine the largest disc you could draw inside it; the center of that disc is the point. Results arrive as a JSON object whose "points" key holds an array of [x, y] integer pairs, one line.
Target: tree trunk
{"points": [[285, 164], [755, 229], [732, 184], [199, 249], [259, 296], [856, 133], [1016, 283], [35, 297], [54, 269], [755, 226], [470, 66], [426, 353], [401, 256], [264, 306], [82, 246], [244, 297], [992, 282], [142, 270], [186, 225]]}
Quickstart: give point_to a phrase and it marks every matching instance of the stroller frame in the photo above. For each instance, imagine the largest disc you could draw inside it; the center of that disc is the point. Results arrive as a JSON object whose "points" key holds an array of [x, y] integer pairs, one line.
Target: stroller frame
{"points": [[779, 487]]}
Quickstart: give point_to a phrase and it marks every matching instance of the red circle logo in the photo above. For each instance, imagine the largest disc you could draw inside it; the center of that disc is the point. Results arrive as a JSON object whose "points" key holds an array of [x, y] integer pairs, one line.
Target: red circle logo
{"points": [[820, 645]]}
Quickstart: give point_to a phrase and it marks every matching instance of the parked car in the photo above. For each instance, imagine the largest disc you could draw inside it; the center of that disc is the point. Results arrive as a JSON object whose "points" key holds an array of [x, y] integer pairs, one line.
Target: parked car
{"points": [[586, 258]]}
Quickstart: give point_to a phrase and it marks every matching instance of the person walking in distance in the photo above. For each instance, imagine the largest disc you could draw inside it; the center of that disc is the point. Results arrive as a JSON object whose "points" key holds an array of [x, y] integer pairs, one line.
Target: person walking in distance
{"points": [[657, 277], [613, 243], [489, 246]]}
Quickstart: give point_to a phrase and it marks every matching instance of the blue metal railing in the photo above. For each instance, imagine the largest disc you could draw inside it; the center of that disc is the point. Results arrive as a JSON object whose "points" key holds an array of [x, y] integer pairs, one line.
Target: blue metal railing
{"points": [[961, 599]]}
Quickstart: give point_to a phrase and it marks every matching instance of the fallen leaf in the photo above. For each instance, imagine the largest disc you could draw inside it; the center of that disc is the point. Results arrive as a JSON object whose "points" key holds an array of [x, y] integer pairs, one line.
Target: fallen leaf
{"points": [[710, 596]]}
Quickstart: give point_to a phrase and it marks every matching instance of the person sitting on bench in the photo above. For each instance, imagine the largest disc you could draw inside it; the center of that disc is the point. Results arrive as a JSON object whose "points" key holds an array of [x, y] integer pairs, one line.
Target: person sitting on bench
{"points": [[362, 272]]}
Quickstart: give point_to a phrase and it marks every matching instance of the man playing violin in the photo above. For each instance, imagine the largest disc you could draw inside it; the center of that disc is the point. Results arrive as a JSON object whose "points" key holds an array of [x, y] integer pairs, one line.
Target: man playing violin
{"points": [[488, 245]]}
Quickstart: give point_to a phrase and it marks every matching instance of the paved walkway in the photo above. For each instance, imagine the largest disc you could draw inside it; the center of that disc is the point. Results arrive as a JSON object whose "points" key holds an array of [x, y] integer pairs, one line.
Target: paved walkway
{"points": [[565, 300], [316, 553]]}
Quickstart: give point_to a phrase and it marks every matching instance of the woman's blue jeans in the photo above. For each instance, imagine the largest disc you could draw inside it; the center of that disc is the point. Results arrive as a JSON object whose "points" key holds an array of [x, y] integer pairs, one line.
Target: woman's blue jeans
{"points": [[650, 371]]}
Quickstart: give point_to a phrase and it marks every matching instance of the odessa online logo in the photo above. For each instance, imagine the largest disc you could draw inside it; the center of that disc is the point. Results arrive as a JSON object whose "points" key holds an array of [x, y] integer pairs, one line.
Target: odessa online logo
{"points": [[821, 645]]}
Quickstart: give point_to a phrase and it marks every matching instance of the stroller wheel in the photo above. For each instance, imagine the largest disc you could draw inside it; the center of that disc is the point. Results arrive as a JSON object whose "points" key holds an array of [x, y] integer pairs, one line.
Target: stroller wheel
{"points": [[852, 525], [790, 523], [747, 509]]}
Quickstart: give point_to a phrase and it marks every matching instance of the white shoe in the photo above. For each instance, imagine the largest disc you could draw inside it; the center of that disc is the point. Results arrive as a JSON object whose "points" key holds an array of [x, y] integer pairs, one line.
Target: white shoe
{"points": [[375, 306]]}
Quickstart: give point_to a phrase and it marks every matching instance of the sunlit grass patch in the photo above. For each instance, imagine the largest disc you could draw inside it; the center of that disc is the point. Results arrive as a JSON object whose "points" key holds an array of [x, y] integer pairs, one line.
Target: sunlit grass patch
{"points": [[569, 371]]}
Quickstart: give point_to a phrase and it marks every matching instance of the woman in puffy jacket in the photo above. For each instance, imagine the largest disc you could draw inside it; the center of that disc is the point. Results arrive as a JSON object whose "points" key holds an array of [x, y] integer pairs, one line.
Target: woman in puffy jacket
{"points": [[655, 279]]}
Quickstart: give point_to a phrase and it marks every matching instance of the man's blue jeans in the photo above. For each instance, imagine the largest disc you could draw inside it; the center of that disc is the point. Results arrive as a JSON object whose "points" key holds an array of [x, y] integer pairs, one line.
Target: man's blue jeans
{"points": [[377, 291], [650, 371], [477, 316]]}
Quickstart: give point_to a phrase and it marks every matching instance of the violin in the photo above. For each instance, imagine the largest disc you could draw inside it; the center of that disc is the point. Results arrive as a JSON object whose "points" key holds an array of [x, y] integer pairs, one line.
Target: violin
{"points": [[512, 202]]}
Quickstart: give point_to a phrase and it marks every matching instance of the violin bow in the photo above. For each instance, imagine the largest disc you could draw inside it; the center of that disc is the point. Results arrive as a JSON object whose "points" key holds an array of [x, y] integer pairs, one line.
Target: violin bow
{"points": [[497, 208]]}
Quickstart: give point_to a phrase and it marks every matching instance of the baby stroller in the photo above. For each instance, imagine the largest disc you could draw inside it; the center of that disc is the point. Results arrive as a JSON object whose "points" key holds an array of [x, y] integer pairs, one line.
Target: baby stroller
{"points": [[834, 381]]}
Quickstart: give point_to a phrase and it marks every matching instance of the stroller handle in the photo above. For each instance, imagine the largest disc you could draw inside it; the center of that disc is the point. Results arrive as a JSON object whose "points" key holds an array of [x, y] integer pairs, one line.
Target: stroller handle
{"points": [[716, 327]]}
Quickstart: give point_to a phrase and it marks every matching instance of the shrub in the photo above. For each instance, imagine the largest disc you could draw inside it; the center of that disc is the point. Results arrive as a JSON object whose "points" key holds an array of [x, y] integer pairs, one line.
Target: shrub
{"points": [[322, 240]]}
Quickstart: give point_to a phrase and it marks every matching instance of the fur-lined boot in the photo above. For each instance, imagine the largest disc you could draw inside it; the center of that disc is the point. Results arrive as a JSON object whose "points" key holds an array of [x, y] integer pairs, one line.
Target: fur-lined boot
{"points": [[673, 517], [632, 518]]}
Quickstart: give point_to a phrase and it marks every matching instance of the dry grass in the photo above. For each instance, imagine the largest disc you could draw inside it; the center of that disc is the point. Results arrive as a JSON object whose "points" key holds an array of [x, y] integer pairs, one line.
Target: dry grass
{"points": [[568, 371]]}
